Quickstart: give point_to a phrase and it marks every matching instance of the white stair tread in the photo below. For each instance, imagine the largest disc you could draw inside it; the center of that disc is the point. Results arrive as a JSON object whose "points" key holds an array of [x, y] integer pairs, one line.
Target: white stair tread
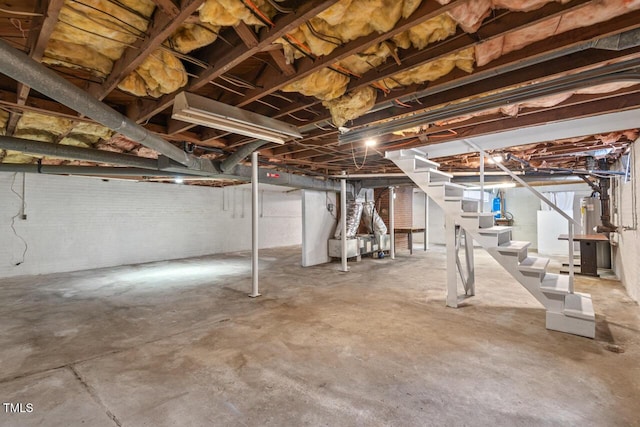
{"points": [[580, 306], [446, 184], [555, 284], [476, 214], [494, 230], [533, 264], [514, 246], [434, 173]]}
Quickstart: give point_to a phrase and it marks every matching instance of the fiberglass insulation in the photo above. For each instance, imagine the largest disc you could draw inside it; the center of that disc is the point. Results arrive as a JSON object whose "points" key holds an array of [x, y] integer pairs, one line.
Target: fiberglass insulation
{"points": [[40, 127], [91, 34]]}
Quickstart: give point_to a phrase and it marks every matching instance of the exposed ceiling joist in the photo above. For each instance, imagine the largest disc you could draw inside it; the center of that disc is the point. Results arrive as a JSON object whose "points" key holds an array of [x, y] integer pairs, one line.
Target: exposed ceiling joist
{"points": [[162, 27], [222, 64]]}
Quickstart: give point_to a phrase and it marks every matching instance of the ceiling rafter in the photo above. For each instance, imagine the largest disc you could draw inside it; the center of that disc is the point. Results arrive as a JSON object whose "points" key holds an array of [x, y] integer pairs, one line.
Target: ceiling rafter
{"points": [[532, 54], [561, 41], [168, 7], [162, 27], [270, 82], [39, 34], [580, 109], [220, 64], [580, 60]]}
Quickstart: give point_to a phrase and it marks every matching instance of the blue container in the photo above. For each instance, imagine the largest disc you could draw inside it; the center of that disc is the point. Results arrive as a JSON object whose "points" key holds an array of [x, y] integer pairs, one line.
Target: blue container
{"points": [[496, 207]]}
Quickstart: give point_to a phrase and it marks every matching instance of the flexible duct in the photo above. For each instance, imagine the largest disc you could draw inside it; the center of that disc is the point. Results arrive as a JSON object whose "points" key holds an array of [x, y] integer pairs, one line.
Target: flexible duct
{"points": [[354, 215]]}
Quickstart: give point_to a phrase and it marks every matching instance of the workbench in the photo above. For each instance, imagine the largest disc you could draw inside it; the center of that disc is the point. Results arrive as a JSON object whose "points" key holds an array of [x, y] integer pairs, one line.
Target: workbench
{"points": [[588, 252]]}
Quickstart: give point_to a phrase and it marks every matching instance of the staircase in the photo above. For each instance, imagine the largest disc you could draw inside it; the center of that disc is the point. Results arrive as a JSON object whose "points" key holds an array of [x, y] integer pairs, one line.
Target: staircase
{"points": [[565, 311]]}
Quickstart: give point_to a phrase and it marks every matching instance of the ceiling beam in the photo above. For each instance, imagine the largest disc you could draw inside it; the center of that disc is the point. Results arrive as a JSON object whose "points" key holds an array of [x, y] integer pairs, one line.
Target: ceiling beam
{"points": [[161, 28], [168, 7], [222, 64], [39, 34], [569, 110], [270, 81], [529, 54]]}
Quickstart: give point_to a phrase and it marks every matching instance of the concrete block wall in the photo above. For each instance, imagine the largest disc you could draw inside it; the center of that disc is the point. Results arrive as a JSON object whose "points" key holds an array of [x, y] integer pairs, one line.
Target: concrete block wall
{"points": [[76, 223], [403, 211]]}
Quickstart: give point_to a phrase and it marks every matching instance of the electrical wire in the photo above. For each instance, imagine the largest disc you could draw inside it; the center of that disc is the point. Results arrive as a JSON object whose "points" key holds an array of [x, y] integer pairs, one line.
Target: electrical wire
{"points": [[13, 219], [353, 156], [19, 13]]}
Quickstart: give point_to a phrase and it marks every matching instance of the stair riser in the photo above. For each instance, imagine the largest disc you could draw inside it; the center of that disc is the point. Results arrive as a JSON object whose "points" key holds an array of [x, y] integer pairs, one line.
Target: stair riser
{"points": [[571, 325]]}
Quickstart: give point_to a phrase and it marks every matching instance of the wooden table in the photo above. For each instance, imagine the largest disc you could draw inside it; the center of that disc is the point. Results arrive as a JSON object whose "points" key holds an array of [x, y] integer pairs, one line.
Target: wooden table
{"points": [[409, 232], [588, 252]]}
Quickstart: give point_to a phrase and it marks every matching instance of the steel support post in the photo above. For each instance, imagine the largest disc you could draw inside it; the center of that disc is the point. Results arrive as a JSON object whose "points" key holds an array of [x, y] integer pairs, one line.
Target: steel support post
{"points": [[254, 225], [452, 278], [426, 221], [392, 222], [481, 182]]}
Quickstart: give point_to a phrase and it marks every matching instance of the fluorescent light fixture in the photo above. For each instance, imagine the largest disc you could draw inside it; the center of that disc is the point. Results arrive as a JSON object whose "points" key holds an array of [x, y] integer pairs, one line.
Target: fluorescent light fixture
{"points": [[203, 111], [178, 180], [370, 142], [496, 159]]}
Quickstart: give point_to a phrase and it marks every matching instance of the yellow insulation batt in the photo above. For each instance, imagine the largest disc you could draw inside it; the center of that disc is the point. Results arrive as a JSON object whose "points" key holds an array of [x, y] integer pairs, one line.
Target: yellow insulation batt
{"points": [[324, 84], [86, 135], [430, 31], [4, 118], [41, 127], [344, 21], [159, 74], [352, 105], [17, 157], [232, 12], [91, 34], [193, 36], [433, 70], [362, 62]]}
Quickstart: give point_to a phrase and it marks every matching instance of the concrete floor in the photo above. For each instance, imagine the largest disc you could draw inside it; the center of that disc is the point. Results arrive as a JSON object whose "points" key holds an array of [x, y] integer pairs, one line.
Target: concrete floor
{"points": [[180, 344]]}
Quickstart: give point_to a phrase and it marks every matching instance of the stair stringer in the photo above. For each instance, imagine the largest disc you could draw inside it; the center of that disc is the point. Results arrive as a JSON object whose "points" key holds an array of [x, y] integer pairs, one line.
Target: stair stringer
{"points": [[558, 317]]}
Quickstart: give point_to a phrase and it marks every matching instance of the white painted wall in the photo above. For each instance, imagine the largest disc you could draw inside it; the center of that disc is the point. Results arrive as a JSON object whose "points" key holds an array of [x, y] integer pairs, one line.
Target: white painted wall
{"points": [[524, 207], [519, 202], [76, 223], [436, 219], [627, 252], [318, 225]]}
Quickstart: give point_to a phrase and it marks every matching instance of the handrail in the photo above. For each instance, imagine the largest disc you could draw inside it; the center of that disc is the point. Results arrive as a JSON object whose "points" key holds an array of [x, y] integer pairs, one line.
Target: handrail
{"points": [[540, 196]]}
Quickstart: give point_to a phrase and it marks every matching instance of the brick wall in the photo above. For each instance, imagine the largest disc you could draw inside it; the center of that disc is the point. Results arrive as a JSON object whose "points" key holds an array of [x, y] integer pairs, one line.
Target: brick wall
{"points": [[403, 211], [78, 223]]}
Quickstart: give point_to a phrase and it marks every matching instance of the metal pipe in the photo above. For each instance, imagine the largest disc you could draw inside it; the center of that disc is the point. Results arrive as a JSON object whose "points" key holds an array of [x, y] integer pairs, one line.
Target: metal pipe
{"points": [[240, 154], [343, 222], [85, 170], [426, 221], [571, 266], [481, 183], [392, 222], [76, 153], [254, 225], [24, 69], [240, 172]]}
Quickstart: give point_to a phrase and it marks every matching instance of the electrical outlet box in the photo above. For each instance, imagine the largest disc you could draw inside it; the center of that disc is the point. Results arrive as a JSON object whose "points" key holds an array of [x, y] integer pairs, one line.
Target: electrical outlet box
{"points": [[330, 207], [24, 217]]}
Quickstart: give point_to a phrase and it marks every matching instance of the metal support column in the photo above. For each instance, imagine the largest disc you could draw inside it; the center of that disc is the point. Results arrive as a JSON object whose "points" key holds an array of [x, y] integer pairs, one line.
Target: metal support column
{"points": [[392, 222], [481, 183], [426, 221], [452, 278], [254, 225], [343, 221]]}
